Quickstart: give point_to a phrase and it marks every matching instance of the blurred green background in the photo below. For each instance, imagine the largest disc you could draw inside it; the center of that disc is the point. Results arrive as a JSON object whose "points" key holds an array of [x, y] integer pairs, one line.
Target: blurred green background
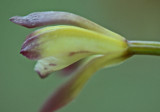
{"points": [[134, 86]]}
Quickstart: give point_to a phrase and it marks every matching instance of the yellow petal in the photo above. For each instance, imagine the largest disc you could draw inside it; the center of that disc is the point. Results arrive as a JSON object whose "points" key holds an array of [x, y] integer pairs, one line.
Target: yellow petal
{"points": [[64, 45], [72, 88]]}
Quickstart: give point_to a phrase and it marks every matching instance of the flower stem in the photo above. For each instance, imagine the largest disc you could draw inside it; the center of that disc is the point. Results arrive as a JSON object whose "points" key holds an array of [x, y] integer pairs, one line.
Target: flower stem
{"points": [[144, 47]]}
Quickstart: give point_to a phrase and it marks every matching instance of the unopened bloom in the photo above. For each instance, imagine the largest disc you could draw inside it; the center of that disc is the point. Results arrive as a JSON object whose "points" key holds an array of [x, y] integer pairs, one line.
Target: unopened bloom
{"points": [[59, 47]]}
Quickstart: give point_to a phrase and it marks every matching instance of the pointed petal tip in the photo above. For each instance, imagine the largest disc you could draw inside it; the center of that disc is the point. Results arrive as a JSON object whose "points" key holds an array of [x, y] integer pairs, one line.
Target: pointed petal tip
{"points": [[29, 50], [33, 55], [23, 21], [12, 19], [58, 99], [42, 76], [17, 20]]}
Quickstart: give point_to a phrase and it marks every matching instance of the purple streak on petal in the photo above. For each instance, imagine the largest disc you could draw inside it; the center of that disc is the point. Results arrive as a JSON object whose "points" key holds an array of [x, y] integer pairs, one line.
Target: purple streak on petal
{"points": [[52, 64], [78, 52]]}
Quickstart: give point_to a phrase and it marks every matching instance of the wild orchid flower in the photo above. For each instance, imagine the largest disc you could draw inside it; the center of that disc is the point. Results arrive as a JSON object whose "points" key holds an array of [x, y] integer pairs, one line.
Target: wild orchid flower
{"points": [[81, 47]]}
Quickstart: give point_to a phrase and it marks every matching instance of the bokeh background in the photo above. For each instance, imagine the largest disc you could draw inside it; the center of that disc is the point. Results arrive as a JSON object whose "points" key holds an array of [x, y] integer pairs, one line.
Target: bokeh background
{"points": [[134, 86]]}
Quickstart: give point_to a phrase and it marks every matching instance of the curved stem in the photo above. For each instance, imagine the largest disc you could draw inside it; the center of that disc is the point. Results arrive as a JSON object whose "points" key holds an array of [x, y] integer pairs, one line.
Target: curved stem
{"points": [[144, 47]]}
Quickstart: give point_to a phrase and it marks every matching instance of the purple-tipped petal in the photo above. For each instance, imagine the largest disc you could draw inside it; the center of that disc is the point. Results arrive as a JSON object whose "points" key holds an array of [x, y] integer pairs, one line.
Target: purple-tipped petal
{"points": [[28, 49], [42, 76], [33, 55], [29, 22], [57, 100], [37, 19]]}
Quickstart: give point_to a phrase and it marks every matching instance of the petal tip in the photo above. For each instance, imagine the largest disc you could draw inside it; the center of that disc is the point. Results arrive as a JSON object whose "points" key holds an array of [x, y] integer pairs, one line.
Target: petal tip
{"points": [[17, 20], [23, 21], [42, 76], [12, 19], [33, 55], [29, 49]]}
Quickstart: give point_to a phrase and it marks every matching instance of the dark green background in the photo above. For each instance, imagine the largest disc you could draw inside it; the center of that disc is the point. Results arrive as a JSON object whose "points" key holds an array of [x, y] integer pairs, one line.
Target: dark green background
{"points": [[134, 86]]}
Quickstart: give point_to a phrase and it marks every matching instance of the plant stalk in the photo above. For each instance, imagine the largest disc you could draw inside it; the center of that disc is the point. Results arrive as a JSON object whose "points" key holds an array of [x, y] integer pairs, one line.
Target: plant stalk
{"points": [[144, 47]]}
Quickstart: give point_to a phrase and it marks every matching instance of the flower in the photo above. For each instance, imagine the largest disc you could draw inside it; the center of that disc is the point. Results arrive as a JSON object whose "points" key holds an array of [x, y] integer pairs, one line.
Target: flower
{"points": [[82, 45]]}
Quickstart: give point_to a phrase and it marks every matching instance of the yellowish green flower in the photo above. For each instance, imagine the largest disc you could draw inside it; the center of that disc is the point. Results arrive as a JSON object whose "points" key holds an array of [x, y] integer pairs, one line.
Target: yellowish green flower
{"points": [[81, 47]]}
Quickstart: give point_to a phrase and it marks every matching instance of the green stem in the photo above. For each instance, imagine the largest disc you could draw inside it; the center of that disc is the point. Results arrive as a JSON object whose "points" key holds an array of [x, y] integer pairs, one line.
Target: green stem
{"points": [[144, 47]]}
